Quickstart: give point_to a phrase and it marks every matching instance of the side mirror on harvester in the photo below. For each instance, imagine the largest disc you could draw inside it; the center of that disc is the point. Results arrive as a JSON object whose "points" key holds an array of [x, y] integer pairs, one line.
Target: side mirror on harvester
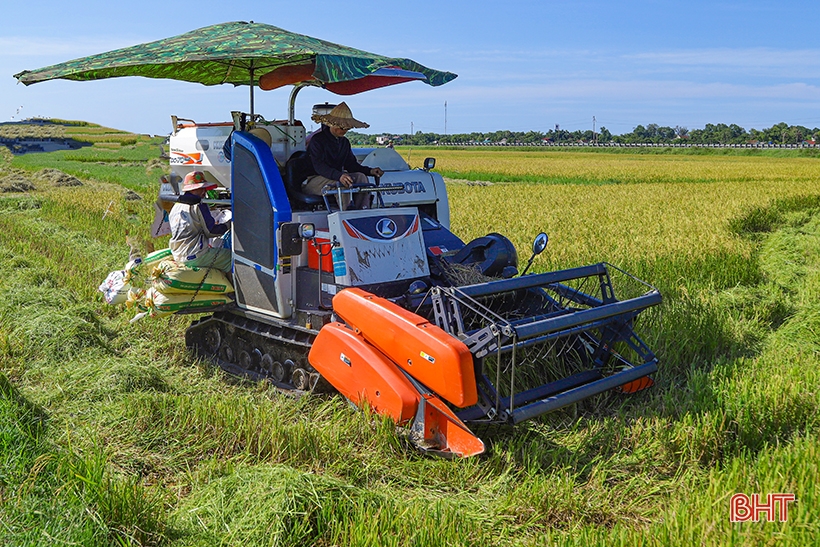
{"points": [[538, 246]]}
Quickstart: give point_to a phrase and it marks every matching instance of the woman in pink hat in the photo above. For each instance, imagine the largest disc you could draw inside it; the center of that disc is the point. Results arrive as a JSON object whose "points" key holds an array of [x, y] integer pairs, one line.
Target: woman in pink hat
{"points": [[192, 226]]}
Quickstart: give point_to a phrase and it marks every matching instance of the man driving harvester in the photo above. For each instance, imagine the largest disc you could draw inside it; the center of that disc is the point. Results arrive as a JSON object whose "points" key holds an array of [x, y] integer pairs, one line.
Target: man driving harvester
{"points": [[331, 159]]}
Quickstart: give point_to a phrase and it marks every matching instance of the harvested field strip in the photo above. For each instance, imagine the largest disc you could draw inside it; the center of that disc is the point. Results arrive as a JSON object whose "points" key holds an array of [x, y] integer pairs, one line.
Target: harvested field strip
{"points": [[117, 436]]}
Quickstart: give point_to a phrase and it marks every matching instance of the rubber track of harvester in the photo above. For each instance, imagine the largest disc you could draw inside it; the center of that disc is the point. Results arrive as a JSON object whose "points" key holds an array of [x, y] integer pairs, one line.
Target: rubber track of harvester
{"points": [[258, 351]]}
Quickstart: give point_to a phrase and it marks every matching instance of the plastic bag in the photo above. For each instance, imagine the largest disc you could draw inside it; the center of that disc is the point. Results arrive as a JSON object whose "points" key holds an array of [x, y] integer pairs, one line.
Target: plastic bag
{"points": [[221, 216], [115, 287]]}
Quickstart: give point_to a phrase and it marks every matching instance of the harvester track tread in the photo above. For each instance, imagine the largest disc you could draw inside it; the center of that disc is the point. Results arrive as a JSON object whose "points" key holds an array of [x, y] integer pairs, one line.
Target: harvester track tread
{"points": [[249, 348]]}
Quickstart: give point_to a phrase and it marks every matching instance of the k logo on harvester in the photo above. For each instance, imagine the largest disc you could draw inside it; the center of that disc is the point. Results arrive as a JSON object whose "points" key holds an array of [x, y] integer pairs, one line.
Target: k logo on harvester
{"points": [[382, 230], [386, 228]]}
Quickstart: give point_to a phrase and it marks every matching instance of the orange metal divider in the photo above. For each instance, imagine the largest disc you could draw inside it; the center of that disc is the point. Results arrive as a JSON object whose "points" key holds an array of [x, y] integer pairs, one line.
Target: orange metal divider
{"points": [[362, 373], [426, 352]]}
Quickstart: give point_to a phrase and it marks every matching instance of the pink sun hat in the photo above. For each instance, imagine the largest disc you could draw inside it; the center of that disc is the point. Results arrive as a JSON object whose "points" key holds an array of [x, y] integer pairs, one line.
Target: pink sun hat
{"points": [[196, 180]]}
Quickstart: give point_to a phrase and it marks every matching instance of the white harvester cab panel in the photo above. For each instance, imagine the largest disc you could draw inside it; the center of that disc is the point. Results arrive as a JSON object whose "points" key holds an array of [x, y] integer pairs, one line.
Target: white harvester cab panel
{"points": [[386, 158], [284, 139], [198, 147], [420, 187], [377, 246]]}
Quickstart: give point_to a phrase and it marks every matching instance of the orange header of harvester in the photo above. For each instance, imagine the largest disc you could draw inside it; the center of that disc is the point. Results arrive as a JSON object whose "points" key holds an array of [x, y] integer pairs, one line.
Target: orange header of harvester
{"points": [[427, 353]]}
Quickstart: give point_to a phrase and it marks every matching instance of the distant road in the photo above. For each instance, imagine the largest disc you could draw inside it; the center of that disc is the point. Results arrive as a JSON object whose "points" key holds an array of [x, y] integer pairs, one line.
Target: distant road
{"points": [[630, 145]]}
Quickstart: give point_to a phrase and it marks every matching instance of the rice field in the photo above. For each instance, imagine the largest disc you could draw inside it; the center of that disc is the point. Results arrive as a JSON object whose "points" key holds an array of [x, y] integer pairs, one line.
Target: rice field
{"points": [[620, 166], [111, 434]]}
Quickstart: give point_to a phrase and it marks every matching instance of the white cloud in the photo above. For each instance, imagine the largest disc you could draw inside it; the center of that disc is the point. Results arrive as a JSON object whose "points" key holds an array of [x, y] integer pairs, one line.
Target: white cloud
{"points": [[748, 57], [749, 62], [633, 90]]}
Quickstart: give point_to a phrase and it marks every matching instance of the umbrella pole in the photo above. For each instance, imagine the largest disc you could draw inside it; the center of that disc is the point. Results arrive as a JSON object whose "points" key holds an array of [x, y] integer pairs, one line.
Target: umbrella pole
{"points": [[251, 73], [292, 102]]}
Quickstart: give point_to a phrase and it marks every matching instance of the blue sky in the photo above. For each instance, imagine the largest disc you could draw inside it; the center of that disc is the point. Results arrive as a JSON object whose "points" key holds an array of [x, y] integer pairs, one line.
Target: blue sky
{"points": [[521, 65]]}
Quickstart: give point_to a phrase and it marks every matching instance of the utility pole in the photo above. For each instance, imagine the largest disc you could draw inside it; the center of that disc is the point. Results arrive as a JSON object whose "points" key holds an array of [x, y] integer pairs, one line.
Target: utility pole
{"points": [[557, 134], [594, 136], [411, 129], [445, 117]]}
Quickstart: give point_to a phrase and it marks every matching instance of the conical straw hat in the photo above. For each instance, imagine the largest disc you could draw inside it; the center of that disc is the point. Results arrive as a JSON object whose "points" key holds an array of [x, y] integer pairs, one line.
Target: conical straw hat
{"points": [[341, 116]]}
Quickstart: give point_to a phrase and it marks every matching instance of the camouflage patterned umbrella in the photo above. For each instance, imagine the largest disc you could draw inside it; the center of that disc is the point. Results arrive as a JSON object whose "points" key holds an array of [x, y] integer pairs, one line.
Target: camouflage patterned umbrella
{"points": [[239, 53]]}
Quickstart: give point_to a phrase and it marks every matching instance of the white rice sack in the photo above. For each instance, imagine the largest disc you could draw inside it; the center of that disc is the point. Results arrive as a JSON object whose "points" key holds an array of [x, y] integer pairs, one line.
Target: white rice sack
{"points": [[161, 304], [136, 299], [134, 266], [171, 277], [115, 287]]}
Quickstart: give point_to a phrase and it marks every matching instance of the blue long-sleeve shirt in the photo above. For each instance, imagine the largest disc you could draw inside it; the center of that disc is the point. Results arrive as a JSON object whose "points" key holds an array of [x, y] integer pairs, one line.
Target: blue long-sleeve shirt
{"points": [[331, 156]]}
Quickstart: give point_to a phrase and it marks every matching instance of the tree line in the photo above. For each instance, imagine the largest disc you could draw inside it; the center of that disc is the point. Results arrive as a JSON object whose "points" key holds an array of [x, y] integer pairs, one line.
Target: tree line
{"points": [[720, 133]]}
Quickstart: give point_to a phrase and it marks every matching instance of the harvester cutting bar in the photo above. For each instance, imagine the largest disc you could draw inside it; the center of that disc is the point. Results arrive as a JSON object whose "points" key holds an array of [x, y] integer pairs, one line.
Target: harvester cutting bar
{"points": [[582, 392], [565, 332], [549, 316], [563, 386], [535, 394]]}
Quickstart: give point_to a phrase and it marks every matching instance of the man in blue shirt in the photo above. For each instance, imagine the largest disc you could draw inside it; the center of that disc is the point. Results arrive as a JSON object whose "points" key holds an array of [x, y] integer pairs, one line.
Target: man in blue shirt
{"points": [[332, 159]]}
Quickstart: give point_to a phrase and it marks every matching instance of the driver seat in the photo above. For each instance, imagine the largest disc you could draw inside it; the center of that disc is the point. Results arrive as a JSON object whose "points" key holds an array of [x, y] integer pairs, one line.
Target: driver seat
{"points": [[296, 166]]}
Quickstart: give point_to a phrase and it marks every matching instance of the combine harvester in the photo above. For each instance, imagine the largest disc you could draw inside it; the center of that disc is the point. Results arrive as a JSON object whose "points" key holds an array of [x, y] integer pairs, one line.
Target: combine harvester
{"points": [[387, 305], [374, 303]]}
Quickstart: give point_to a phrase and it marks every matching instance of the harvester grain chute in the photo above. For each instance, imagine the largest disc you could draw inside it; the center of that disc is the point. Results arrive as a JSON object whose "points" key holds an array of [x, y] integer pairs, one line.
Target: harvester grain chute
{"points": [[385, 305]]}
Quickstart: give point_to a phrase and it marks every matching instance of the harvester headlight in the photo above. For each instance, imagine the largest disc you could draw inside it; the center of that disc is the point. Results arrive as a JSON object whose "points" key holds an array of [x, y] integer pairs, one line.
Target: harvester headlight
{"points": [[307, 230]]}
